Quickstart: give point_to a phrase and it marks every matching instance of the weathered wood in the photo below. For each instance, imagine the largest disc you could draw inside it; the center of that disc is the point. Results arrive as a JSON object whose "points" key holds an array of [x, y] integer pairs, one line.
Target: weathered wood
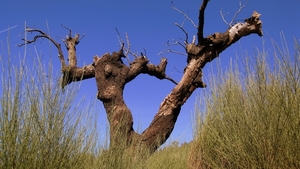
{"points": [[112, 75]]}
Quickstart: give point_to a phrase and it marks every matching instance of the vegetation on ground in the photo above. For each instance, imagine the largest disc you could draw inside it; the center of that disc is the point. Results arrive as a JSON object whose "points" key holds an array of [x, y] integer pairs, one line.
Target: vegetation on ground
{"points": [[252, 114], [249, 118], [40, 126]]}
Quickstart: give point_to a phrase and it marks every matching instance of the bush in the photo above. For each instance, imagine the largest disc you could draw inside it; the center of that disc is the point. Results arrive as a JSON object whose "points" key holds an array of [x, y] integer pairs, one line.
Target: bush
{"points": [[252, 115]]}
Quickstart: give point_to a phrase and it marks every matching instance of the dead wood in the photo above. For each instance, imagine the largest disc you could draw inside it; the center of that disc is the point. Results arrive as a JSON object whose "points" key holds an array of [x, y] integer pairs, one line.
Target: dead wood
{"points": [[112, 75]]}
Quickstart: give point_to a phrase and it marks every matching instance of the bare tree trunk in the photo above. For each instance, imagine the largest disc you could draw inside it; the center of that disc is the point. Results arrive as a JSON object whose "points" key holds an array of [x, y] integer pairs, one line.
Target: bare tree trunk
{"points": [[112, 75]]}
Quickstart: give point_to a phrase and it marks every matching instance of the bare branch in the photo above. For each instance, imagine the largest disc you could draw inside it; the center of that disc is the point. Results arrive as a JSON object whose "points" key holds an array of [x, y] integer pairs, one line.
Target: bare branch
{"points": [[132, 53], [177, 70], [201, 21], [81, 37], [175, 42], [121, 41], [141, 65], [186, 34], [119, 36], [235, 15], [70, 72], [128, 47], [145, 51], [44, 35], [237, 12], [224, 20], [185, 15], [171, 51], [194, 39], [158, 71], [70, 31], [172, 80], [71, 43]]}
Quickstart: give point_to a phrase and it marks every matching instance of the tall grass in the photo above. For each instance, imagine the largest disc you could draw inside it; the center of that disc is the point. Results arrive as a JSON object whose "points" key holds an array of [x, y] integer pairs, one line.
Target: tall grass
{"points": [[171, 157], [40, 126], [251, 120], [252, 115]]}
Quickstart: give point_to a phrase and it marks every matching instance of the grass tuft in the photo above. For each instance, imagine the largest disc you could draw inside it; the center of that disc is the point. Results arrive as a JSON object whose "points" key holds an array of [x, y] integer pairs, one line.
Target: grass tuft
{"points": [[40, 126]]}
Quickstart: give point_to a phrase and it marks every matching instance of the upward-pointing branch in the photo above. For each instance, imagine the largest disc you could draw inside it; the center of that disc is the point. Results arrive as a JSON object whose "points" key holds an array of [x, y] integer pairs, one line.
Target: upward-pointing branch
{"points": [[201, 21], [44, 35], [71, 72]]}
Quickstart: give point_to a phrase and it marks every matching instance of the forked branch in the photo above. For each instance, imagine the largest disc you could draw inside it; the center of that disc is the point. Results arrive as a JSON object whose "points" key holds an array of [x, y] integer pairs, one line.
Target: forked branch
{"points": [[159, 71], [186, 34], [235, 15], [70, 72], [141, 65]]}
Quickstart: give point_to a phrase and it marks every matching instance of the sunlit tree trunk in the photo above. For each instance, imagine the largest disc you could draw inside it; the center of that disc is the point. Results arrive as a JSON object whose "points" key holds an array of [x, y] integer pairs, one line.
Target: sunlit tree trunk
{"points": [[112, 75]]}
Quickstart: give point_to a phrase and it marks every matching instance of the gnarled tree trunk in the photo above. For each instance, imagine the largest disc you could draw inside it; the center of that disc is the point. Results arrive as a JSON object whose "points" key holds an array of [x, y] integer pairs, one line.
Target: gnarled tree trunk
{"points": [[112, 75]]}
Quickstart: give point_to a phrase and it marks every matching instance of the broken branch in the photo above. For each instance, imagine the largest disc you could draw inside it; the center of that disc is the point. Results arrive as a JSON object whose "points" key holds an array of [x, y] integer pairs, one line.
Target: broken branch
{"points": [[158, 71]]}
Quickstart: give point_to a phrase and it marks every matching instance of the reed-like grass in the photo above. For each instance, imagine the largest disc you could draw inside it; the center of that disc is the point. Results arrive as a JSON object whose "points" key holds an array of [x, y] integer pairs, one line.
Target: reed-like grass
{"points": [[252, 114], [249, 119], [40, 125]]}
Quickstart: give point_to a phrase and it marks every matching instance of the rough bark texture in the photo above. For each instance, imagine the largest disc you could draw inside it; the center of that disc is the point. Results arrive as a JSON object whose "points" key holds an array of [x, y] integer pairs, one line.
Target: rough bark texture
{"points": [[112, 75]]}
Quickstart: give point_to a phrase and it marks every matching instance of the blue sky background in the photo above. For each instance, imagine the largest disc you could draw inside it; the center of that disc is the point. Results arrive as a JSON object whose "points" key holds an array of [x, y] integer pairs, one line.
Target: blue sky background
{"points": [[149, 25]]}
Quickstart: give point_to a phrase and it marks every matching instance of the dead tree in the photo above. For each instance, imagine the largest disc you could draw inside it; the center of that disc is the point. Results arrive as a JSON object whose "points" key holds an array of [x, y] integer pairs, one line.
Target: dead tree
{"points": [[112, 75]]}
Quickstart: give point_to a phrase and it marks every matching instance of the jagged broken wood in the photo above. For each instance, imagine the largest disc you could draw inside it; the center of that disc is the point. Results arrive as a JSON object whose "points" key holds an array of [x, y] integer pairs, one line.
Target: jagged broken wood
{"points": [[112, 75]]}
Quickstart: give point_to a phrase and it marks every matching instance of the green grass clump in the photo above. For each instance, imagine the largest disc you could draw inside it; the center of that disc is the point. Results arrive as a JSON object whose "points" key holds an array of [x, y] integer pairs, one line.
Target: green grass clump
{"points": [[41, 126], [252, 115]]}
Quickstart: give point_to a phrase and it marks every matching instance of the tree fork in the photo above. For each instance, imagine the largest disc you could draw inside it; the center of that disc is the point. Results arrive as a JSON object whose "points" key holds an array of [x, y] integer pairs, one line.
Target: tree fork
{"points": [[112, 75]]}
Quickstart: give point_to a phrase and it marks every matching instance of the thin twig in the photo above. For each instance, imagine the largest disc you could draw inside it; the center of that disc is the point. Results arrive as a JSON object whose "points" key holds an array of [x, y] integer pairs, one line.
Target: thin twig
{"points": [[119, 36], [184, 14], [171, 51], [122, 43], [70, 31], [224, 20], [81, 37], [235, 15], [132, 53], [168, 78], [9, 28], [186, 34], [177, 70], [128, 47], [237, 12], [194, 39], [145, 51], [44, 35], [175, 43]]}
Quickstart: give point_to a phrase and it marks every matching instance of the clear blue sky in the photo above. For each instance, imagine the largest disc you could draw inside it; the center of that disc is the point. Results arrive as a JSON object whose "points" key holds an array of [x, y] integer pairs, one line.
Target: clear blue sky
{"points": [[149, 25]]}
